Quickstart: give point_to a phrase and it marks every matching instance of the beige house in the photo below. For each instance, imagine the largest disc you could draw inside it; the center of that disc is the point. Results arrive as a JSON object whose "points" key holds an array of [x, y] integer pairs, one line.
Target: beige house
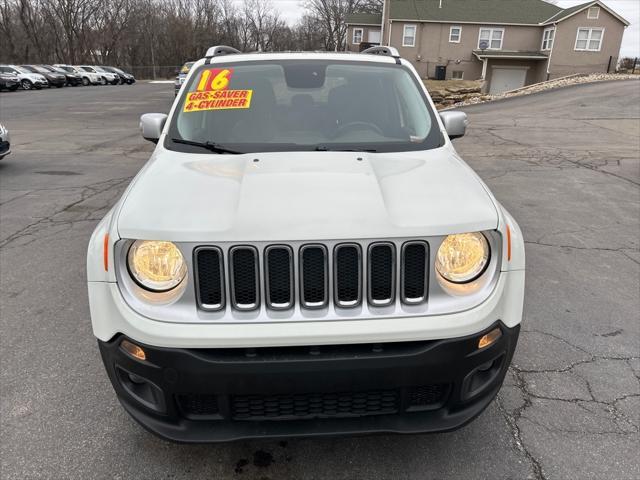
{"points": [[506, 43]]}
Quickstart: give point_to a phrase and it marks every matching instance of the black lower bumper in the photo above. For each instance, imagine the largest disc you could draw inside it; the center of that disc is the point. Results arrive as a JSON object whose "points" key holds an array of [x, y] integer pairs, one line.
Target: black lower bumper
{"points": [[209, 395]]}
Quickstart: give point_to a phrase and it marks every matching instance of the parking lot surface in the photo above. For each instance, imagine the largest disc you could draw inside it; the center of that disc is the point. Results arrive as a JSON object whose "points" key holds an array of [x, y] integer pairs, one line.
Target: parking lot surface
{"points": [[565, 163]]}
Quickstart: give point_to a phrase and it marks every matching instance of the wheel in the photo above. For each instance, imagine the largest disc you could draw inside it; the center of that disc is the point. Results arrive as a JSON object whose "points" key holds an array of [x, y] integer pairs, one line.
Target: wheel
{"points": [[60, 86], [26, 84], [85, 81], [103, 81]]}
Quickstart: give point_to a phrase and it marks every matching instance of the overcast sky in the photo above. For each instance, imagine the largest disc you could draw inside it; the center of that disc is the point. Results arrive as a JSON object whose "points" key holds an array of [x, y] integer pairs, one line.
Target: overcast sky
{"points": [[292, 10]]}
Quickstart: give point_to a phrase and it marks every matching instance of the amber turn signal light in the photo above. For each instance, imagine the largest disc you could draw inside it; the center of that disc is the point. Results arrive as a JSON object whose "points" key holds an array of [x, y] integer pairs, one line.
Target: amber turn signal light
{"points": [[134, 350], [489, 338]]}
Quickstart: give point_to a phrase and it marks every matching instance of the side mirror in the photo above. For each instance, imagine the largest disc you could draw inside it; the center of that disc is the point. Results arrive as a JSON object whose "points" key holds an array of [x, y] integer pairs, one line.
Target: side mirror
{"points": [[455, 123], [151, 125]]}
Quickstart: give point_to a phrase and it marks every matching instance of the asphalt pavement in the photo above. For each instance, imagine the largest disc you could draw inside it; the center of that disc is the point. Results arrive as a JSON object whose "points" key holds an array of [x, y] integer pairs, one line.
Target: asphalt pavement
{"points": [[565, 163]]}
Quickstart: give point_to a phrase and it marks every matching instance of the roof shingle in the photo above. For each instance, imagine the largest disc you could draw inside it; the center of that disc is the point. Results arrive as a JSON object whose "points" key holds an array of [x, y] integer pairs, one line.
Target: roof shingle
{"points": [[481, 11], [364, 19]]}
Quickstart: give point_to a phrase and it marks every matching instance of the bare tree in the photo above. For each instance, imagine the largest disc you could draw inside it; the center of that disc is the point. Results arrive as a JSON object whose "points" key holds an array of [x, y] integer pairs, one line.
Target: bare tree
{"points": [[154, 36], [332, 15]]}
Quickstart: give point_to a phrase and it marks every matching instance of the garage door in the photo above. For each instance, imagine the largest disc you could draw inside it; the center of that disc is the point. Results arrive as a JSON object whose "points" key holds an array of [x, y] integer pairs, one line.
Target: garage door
{"points": [[505, 79]]}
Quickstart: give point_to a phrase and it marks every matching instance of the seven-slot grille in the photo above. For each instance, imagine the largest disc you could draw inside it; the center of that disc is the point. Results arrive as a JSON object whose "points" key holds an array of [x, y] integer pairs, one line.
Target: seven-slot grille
{"points": [[285, 275]]}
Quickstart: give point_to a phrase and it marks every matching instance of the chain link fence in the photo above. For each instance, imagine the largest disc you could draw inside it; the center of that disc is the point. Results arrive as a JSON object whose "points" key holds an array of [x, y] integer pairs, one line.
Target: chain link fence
{"points": [[151, 72]]}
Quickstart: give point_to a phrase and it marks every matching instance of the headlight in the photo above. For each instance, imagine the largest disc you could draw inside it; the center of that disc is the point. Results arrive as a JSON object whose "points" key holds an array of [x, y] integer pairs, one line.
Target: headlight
{"points": [[156, 266], [463, 257]]}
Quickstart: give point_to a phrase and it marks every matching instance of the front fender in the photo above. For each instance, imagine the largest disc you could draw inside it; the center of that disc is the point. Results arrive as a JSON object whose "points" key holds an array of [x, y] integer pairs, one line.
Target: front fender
{"points": [[100, 265], [515, 238]]}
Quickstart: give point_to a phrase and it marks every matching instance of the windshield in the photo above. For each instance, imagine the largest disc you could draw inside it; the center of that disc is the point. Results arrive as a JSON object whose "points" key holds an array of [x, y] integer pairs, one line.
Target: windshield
{"points": [[22, 70], [68, 69], [304, 105], [88, 69], [186, 67]]}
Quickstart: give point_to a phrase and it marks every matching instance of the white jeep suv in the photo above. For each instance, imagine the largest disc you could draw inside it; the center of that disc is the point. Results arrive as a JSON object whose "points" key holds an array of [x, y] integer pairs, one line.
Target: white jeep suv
{"points": [[305, 253]]}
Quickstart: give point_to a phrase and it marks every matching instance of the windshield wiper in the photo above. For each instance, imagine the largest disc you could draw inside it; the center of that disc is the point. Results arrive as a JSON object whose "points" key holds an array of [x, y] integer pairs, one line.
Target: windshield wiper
{"points": [[211, 146], [322, 148]]}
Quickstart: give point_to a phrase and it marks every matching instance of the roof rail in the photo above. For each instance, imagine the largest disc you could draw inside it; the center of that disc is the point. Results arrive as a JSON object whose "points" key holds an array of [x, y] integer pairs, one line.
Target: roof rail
{"points": [[383, 50], [219, 50]]}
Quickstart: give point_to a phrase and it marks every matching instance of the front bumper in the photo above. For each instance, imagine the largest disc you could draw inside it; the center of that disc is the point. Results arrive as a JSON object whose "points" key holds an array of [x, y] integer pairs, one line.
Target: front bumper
{"points": [[9, 83], [209, 395]]}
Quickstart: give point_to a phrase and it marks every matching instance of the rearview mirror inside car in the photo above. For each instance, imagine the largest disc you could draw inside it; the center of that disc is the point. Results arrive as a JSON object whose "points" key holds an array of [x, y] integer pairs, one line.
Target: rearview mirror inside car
{"points": [[151, 125], [455, 123]]}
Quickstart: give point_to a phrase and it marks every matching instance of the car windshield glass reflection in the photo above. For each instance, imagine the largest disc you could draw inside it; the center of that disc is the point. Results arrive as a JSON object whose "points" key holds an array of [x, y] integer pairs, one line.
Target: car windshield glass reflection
{"points": [[304, 105]]}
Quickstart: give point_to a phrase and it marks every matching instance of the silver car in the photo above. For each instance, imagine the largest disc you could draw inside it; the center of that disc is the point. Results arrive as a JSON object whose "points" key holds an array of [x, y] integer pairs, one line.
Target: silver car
{"points": [[5, 142]]}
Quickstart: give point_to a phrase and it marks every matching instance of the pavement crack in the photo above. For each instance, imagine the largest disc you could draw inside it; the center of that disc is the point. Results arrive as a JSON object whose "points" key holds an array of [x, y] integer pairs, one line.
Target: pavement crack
{"points": [[87, 192], [512, 419], [16, 198], [575, 247]]}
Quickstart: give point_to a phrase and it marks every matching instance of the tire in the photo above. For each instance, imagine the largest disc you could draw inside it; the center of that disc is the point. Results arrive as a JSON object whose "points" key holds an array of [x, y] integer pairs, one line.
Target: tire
{"points": [[14, 88], [103, 81], [85, 81], [26, 84], [60, 86]]}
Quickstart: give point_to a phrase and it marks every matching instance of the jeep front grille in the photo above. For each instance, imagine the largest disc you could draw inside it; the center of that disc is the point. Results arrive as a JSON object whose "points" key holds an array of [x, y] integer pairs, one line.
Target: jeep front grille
{"points": [[347, 268], [245, 278], [312, 276], [279, 278], [382, 260], [210, 278]]}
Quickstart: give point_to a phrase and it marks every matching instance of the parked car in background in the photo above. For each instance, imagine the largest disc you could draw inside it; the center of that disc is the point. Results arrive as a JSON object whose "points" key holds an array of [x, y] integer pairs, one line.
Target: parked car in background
{"points": [[28, 79], [182, 75], [87, 78], [5, 142], [105, 77], [73, 79], [9, 81], [55, 79], [124, 76]]}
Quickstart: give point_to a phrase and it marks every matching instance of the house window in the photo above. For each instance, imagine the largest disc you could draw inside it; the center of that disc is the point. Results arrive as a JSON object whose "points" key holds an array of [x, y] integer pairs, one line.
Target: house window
{"points": [[593, 13], [493, 37], [357, 35], [454, 34], [457, 75], [409, 36], [547, 38], [589, 39]]}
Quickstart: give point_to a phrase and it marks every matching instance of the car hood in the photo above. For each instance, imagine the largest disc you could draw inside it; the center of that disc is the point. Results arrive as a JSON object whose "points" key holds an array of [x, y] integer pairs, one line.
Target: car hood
{"points": [[304, 196]]}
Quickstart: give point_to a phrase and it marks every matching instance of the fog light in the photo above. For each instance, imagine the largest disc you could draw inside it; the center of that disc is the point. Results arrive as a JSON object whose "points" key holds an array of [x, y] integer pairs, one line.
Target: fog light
{"points": [[133, 350], [489, 338]]}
